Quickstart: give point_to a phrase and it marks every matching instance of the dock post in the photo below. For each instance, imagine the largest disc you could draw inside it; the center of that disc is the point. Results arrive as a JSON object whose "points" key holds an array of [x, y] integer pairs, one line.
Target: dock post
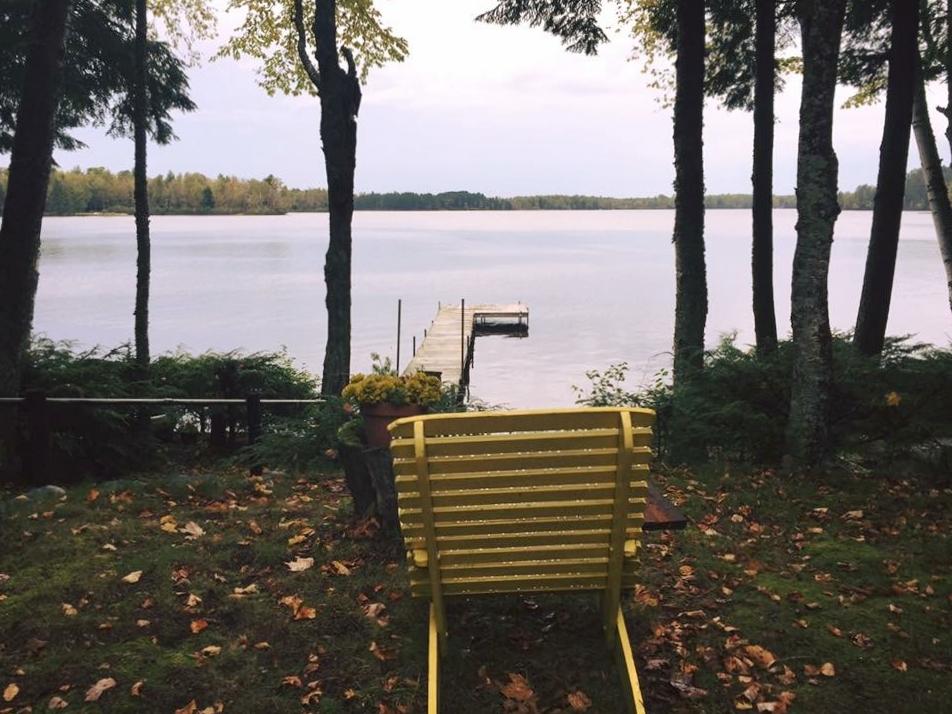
{"points": [[36, 459], [399, 311], [462, 337], [253, 415], [414, 345]]}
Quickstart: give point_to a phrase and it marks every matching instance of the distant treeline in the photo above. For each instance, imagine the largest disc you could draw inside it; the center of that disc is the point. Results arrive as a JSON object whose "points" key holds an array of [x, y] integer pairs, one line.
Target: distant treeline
{"points": [[97, 190]]}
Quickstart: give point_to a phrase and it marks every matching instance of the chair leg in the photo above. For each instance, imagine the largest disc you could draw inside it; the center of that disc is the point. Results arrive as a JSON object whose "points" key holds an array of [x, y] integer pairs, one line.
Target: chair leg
{"points": [[433, 683], [626, 663]]}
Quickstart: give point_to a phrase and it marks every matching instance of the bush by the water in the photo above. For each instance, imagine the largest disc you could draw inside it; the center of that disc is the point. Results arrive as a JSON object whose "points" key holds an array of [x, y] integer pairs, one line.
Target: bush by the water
{"points": [[737, 406], [105, 440]]}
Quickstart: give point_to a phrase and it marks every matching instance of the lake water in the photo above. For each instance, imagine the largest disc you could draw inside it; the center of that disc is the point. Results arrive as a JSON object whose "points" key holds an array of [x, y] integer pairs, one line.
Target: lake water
{"points": [[599, 285]]}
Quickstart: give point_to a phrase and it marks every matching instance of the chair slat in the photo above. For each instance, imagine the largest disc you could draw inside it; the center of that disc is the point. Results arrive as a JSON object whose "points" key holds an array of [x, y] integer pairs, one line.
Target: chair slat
{"points": [[521, 442], [406, 483], [469, 423], [489, 497], [556, 509], [412, 526], [561, 551]]}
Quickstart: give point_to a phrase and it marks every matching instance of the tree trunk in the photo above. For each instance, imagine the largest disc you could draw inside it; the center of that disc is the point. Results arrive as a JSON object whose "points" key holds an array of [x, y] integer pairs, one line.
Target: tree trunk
{"points": [[821, 23], [935, 182], [340, 103], [143, 242], [948, 76], [691, 296], [765, 320], [891, 183], [28, 178]]}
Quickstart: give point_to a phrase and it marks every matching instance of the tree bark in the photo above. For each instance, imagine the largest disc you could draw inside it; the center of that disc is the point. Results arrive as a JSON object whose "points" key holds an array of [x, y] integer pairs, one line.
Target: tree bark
{"points": [[141, 188], [765, 320], [340, 103], [821, 23], [28, 178], [948, 76], [873, 312], [691, 278], [936, 188]]}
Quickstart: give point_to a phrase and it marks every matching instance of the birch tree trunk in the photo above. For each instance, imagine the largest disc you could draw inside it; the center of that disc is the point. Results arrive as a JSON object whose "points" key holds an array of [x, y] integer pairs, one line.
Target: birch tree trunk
{"points": [[936, 189], [821, 23]]}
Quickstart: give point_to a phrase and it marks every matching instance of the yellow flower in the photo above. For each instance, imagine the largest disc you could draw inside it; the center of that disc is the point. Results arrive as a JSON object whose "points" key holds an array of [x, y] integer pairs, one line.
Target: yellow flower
{"points": [[893, 399]]}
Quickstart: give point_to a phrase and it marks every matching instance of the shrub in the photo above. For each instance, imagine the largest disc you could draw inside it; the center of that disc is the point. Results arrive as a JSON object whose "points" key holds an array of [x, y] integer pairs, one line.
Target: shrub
{"points": [[738, 405], [103, 440]]}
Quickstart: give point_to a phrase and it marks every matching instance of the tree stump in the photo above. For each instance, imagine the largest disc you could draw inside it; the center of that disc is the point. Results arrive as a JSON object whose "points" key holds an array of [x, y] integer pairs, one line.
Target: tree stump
{"points": [[358, 478], [380, 466]]}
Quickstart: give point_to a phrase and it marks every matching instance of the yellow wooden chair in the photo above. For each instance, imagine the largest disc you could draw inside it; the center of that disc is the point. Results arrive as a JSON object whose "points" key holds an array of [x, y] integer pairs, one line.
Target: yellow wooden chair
{"points": [[524, 501]]}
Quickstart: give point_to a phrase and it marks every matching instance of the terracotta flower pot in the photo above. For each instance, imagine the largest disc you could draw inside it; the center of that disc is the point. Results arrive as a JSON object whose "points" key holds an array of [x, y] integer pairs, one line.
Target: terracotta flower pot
{"points": [[378, 416]]}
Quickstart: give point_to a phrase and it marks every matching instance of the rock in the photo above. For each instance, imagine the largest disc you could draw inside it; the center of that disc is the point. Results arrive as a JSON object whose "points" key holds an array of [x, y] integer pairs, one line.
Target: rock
{"points": [[44, 493]]}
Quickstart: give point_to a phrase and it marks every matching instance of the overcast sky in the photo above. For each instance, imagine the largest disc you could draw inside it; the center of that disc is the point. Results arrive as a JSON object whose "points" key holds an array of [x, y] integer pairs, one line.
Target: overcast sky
{"points": [[500, 110]]}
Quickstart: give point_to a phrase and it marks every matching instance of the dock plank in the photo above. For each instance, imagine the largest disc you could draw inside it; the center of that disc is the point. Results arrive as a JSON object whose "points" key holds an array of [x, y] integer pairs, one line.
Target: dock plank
{"points": [[447, 348]]}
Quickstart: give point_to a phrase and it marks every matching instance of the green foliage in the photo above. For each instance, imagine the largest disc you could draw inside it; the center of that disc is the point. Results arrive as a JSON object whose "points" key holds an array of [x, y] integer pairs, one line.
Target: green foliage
{"points": [[575, 22], [738, 405], [104, 440], [98, 71], [267, 35]]}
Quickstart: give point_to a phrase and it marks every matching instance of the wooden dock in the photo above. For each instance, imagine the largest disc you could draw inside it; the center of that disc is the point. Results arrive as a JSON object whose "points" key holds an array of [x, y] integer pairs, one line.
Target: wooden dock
{"points": [[447, 349]]}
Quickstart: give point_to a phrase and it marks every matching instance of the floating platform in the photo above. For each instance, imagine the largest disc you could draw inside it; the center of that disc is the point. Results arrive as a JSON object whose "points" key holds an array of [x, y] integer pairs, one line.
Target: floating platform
{"points": [[449, 342]]}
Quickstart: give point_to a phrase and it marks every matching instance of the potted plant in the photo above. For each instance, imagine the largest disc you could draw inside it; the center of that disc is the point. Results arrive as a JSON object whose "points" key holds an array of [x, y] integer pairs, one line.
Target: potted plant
{"points": [[384, 396]]}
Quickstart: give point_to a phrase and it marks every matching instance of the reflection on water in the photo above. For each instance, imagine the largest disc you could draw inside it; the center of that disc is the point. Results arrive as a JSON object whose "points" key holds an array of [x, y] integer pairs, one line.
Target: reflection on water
{"points": [[599, 285]]}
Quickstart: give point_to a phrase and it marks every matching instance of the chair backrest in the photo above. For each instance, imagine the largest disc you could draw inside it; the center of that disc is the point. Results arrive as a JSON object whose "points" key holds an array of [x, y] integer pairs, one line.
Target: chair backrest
{"points": [[522, 500]]}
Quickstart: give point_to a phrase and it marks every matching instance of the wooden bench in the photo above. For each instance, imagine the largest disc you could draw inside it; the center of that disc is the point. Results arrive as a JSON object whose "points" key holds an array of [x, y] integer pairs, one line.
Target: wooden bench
{"points": [[524, 501]]}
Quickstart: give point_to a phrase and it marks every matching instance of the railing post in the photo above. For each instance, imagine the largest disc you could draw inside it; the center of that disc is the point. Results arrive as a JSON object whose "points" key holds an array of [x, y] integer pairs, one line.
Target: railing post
{"points": [[399, 311], [253, 405], [36, 456]]}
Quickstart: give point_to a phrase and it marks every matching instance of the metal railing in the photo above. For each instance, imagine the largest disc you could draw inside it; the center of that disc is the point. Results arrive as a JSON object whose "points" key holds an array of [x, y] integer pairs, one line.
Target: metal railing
{"points": [[35, 407]]}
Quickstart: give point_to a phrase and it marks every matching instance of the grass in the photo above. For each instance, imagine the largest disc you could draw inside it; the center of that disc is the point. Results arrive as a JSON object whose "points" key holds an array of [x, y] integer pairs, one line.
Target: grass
{"points": [[778, 576]]}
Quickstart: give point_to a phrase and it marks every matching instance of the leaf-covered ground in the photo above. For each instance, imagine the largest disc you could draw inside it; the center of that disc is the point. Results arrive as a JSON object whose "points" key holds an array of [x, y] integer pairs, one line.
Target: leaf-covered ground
{"points": [[216, 591]]}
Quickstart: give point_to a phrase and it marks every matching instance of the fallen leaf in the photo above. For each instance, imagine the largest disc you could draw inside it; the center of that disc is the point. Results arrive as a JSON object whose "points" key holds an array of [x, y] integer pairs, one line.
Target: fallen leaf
{"points": [[193, 529], [340, 568], [579, 701], [69, 610], [189, 708], [381, 653], [517, 689], [57, 703], [299, 564], [761, 656], [193, 600], [247, 590], [168, 524], [827, 669], [255, 528], [835, 631], [211, 651], [292, 680], [133, 577], [92, 495], [136, 689], [900, 665], [10, 692], [96, 691], [197, 626]]}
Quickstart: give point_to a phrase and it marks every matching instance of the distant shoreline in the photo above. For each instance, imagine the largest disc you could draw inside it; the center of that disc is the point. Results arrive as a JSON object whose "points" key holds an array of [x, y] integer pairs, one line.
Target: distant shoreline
{"points": [[191, 214]]}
